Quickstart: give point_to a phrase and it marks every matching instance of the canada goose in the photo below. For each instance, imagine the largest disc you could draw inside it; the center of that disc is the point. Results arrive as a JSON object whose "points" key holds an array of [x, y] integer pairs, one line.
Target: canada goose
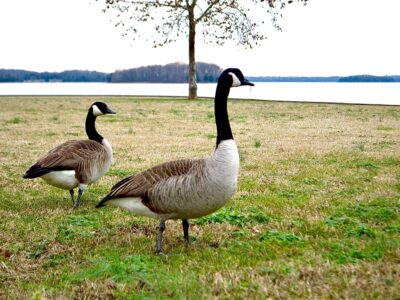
{"points": [[76, 163], [190, 188]]}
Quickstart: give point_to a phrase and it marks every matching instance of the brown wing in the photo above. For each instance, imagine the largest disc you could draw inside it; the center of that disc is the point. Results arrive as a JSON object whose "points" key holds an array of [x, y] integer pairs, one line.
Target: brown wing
{"points": [[76, 155], [71, 153], [138, 185]]}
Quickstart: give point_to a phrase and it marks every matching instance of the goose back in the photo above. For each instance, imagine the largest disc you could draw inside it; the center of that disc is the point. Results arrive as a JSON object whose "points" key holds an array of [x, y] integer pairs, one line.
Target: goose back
{"points": [[89, 159]]}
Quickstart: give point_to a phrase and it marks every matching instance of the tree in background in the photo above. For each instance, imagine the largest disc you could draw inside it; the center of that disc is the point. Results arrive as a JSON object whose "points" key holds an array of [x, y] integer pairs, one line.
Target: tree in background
{"points": [[219, 21]]}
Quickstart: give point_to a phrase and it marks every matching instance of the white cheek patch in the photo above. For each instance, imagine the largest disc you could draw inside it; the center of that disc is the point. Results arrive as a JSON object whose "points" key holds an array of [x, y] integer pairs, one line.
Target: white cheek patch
{"points": [[236, 82], [96, 111]]}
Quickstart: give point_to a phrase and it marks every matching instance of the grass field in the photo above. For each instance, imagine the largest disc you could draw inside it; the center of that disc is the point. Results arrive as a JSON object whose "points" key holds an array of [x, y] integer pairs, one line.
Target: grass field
{"points": [[316, 215]]}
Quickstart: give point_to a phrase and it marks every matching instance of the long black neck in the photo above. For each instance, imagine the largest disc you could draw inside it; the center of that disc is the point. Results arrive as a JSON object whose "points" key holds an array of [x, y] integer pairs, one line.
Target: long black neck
{"points": [[91, 128], [224, 131]]}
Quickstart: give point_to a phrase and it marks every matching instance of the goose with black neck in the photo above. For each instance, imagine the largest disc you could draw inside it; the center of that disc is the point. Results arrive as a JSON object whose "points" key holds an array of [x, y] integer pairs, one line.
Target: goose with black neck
{"points": [[187, 188], [77, 163]]}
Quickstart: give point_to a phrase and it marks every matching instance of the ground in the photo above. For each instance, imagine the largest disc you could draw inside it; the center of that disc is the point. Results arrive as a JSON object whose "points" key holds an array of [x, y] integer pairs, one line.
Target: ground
{"points": [[316, 214]]}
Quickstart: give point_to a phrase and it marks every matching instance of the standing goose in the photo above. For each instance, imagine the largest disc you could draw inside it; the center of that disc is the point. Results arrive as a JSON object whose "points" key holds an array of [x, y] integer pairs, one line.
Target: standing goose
{"points": [[77, 163], [189, 188]]}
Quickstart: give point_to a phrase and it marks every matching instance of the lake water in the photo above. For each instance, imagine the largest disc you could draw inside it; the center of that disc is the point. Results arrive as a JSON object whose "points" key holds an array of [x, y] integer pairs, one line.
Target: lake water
{"points": [[360, 93]]}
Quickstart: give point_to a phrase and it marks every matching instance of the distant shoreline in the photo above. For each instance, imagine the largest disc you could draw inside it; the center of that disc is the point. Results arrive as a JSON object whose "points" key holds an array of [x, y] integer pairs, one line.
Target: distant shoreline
{"points": [[170, 73]]}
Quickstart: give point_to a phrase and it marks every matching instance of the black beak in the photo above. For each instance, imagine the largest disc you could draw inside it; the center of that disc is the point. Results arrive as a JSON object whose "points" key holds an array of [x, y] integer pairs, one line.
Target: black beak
{"points": [[109, 111], [246, 82]]}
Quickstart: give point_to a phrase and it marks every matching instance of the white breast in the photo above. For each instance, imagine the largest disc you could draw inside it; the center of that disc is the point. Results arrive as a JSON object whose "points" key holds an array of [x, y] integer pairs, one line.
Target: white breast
{"points": [[99, 169], [108, 148], [62, 179], [224, 165]]}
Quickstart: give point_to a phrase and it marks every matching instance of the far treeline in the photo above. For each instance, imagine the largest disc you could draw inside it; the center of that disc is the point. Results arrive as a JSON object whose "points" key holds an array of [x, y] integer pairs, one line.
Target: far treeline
{"points": [[66, 76], [170, 73]]}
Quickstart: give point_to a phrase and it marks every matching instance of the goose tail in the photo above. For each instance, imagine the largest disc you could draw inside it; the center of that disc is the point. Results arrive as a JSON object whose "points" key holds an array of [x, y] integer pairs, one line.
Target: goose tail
{"points": [[103, 201], [36, 171]]}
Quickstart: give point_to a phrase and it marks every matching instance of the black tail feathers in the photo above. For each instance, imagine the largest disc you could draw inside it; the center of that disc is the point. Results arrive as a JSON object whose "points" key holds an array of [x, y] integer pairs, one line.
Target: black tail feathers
{"points": [[36, 171], [103, 201]]}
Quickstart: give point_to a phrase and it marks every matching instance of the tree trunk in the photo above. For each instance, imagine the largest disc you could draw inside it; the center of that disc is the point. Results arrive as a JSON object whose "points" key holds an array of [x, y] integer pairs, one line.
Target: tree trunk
{"points": [[192, 60]]}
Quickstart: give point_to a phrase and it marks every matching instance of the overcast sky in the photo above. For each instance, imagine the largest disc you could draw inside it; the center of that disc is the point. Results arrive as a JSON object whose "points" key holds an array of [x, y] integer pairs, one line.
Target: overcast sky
{"points": [[326, 37]]}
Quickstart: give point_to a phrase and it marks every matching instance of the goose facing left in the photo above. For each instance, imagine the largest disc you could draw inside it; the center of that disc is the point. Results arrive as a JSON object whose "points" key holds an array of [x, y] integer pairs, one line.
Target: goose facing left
{"points": [[77, 163]]}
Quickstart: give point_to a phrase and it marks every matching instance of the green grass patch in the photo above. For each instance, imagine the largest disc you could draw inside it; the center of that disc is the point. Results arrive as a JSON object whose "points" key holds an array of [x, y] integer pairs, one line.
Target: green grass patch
{"points": [[119, 172], [235, 217], [115, 268], [15, 120], [279, 237], [346, 251]]}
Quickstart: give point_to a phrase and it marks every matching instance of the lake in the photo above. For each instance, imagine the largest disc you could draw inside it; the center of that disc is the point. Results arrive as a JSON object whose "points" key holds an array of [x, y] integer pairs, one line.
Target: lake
{"points": [[359, 93]]}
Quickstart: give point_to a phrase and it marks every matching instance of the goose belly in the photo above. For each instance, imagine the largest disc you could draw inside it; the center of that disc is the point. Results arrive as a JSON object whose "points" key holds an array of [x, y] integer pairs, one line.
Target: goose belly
{"points": [[133, 204], [206, 201], [62, 179]]}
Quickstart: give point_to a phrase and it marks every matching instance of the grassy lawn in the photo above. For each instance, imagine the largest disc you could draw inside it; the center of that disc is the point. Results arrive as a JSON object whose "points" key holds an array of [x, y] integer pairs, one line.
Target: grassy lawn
{"points": [[316, 215]]}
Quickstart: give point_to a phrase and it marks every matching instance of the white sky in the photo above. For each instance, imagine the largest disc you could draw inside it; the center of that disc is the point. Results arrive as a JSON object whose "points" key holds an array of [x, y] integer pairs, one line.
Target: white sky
{"points": [[326, 37]]}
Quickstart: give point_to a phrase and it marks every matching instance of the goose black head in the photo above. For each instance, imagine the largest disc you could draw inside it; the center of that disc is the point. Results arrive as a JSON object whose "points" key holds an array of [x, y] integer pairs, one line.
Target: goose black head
{"points": [[100, 108], [233, 77]]}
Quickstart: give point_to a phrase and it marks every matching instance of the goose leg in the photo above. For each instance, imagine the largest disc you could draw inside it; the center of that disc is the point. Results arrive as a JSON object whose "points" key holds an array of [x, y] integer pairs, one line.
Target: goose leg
{"points": [[71, 192], [78, 201], [185, 225], [81, 188], [161, 229]]}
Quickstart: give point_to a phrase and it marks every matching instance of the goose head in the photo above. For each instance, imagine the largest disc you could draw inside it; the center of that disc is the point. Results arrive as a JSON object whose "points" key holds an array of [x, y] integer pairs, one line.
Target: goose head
{"points": [[233, 77], [100, 108]]}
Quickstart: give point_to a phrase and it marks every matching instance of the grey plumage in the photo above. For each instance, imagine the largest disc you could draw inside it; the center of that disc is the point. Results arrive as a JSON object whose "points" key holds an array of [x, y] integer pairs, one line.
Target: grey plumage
{"points": [[184, 189]]}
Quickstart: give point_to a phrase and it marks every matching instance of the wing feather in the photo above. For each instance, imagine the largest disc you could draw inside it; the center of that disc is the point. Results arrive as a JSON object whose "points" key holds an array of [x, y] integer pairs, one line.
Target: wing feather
{"points": [[140, 184], [75, 155]]}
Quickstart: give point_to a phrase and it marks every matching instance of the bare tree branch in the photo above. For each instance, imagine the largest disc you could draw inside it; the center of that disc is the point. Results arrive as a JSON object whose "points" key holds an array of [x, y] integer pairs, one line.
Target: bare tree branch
{"points": [[214, 2], [219, 20]]}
